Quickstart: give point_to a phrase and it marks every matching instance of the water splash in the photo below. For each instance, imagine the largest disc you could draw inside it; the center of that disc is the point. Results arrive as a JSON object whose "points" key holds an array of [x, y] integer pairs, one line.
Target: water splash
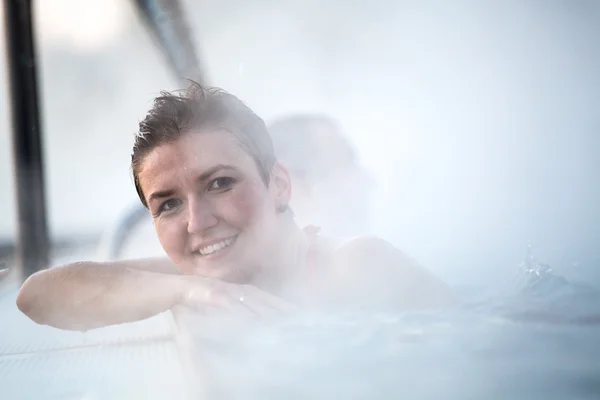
{"points": [[534, 276], [532, 267]]}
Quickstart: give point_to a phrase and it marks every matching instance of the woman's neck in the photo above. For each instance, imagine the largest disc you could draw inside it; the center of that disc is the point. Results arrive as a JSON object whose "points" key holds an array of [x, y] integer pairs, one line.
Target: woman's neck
{"points": [[285, 267]]}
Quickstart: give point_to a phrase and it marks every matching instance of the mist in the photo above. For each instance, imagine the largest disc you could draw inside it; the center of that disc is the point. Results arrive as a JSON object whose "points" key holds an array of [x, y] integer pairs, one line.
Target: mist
{"points": [[478, 120]]}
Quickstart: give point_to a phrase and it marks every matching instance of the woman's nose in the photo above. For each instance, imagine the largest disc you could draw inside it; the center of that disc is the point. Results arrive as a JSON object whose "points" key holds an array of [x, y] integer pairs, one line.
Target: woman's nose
{"points": [[200, 216]]}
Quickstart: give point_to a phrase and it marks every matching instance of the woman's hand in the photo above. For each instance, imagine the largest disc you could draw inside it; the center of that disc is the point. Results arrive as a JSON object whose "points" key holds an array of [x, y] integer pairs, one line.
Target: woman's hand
{"points": [[204, 293]]}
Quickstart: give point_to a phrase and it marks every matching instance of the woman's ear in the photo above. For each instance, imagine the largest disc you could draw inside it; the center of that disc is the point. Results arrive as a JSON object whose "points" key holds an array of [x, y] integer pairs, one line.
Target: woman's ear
{"points": [[281, 185]]}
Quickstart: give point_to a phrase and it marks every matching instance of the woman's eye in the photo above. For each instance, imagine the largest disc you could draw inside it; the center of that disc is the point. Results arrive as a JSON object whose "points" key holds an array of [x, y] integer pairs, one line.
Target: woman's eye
{"points": [[169, 205], [221, 183]]}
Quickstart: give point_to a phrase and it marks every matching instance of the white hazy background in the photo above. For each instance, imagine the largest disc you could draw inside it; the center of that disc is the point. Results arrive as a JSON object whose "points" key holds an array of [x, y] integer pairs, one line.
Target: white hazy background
{"points": [[480, 120]]}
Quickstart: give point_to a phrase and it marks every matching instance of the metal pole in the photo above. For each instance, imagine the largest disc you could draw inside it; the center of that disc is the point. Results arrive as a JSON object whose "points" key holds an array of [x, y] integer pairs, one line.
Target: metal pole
{"points": [[169, 26], [33, 242], [171, 30]]}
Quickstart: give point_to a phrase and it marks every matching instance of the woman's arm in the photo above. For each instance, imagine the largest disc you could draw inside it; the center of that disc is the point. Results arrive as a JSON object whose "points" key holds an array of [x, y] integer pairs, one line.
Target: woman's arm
{"points": [[88, 295]]}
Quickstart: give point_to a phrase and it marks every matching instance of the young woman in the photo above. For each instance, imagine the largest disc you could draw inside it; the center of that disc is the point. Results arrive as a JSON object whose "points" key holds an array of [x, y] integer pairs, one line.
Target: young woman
{"points": [[204, 166]]}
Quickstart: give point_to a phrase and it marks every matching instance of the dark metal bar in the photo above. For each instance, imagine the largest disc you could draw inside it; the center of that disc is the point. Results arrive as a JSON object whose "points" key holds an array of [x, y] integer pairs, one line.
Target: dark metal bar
{"points": [[33, 241], [172, 33], [171, 30]]}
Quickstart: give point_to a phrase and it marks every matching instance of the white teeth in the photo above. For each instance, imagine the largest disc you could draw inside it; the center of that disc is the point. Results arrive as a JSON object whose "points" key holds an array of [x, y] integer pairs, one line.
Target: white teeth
{"points": [[215, 247]]}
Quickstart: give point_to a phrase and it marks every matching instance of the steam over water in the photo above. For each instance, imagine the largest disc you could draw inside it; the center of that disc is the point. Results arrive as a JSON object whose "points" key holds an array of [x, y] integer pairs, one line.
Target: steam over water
{"points": [[480, 124], [534, 339]]}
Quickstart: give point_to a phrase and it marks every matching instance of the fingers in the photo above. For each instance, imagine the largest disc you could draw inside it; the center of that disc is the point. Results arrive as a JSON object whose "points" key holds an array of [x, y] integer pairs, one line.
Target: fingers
{"points": [[259, 302], [256, 306], [260, 299], [216, 295], [202, 292], [239, 300], [235, 299]]}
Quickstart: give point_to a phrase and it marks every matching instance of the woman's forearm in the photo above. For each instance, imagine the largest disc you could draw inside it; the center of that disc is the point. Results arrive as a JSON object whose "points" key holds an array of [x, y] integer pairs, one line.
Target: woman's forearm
{"points": [[84, 296]]}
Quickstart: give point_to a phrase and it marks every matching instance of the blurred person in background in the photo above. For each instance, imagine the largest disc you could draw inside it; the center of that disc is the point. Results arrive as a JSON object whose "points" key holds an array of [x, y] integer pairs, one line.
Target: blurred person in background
{"points": [[331, 188]]}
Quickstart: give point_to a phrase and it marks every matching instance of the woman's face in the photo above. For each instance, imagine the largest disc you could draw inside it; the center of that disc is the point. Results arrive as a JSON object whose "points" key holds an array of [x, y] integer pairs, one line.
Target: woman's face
{"points": [[212, 212]]}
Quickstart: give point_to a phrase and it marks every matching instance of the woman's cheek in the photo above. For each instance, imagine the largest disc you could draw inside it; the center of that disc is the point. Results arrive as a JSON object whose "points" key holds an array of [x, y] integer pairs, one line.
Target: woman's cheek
{"points": [[242, 206], [172, 237]]}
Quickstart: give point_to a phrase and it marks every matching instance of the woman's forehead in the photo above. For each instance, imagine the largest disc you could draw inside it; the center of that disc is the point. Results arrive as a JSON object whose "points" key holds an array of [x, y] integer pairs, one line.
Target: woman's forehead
{"points": [[195, 153]]}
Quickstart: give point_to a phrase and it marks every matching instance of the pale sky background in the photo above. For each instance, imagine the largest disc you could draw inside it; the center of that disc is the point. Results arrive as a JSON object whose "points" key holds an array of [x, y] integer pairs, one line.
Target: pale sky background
{"points": [[480, 120]]}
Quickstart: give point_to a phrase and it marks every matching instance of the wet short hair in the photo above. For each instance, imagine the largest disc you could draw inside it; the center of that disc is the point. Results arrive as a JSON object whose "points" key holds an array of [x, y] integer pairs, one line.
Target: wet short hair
{"points": [[195, 109]]}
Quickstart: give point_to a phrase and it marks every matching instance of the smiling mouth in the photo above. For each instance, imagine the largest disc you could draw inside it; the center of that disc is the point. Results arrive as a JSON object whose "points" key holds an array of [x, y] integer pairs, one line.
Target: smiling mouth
{"points": [[216, 247]]}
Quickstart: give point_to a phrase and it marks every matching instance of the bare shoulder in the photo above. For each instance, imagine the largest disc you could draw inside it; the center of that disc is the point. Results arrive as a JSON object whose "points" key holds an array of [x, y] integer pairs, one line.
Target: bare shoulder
{"points": [[371, 271]]}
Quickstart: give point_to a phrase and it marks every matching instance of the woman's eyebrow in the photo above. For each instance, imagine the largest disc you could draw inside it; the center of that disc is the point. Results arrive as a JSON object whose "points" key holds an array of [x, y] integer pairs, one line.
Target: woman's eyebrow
{"points": [[213, 170], [160, 195]]}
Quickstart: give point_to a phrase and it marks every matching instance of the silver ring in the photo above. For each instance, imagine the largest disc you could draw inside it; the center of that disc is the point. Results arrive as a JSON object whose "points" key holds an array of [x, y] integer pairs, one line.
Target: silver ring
{"points": [[242, 299]]}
